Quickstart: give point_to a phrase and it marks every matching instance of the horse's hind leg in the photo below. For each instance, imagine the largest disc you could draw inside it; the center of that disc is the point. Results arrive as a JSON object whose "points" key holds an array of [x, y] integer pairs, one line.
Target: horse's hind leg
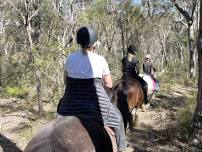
{"points": [[143, 107], [135, 118]]}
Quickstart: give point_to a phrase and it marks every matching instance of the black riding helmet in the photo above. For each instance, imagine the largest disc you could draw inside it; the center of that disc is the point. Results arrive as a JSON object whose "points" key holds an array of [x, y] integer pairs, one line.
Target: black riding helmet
{"points": [[132, 49], [86, 37]]}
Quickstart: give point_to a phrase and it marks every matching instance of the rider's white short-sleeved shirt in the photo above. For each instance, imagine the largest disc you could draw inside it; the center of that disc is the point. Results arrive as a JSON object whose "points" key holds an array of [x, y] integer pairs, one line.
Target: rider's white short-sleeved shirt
{"points": [[85, 66]]}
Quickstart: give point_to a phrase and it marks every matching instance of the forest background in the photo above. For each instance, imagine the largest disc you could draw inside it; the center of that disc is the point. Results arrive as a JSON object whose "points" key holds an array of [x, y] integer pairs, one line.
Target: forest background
{"points": [[36, 37]]}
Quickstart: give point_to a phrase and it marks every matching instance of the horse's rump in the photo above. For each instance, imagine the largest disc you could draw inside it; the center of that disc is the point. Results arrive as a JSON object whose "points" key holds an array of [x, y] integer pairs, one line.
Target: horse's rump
{"points": [[71, 134], [129, 96], [150, 82], [132, 90]]}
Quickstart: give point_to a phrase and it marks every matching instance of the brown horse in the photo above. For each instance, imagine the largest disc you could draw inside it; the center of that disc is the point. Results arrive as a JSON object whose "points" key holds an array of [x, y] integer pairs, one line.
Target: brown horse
{"points": [[71, 134], [130, 97]]}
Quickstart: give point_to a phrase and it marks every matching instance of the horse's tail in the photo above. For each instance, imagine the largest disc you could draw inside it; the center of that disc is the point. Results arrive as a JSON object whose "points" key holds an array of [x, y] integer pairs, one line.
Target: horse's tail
{"points": [[122, 94], [122, 102], [124, 91]]}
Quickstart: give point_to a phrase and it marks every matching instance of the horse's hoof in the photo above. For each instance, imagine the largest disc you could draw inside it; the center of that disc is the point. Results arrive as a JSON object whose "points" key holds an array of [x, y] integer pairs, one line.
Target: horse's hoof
{"points": [[143, 109], [128, 131], [132, 129], [128, 149]]}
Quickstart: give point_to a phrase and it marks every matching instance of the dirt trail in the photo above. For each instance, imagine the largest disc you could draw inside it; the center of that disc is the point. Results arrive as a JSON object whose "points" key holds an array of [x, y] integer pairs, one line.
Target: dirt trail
{"points": [[157, 125]]}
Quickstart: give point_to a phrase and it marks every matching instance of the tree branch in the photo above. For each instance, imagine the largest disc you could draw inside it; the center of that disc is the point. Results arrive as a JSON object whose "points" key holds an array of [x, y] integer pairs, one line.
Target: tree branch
{"points": [[182, 22], [2, 5], [23, 17], [183, 12], [33, 15], [62, 17], [193, 8]]}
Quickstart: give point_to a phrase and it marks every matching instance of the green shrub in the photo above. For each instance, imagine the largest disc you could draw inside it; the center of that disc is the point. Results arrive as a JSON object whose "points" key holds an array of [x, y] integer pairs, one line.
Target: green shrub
{"points": [[185, 119], [20, 92]]}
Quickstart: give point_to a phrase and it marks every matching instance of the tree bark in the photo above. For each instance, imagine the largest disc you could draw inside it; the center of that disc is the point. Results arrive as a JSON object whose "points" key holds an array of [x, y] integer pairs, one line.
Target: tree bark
{"points": [[197, 120], [1, 74], [38, 89], [123, 41], [36, 26], [192, 69]]}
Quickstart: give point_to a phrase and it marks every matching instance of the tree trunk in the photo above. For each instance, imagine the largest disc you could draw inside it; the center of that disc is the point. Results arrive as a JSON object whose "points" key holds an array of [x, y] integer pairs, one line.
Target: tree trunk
{"points": [[29, 29], [38, 89], [164, 60], [123, 42], [1, 74], [197, 120], [181, 54], [192, 69], [36, 25], [190, 20], [1, 51]]}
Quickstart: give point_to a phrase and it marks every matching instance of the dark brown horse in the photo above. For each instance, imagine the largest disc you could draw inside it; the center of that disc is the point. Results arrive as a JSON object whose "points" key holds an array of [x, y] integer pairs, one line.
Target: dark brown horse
{"points": [[74, 134], [71, 134], [130, 97]]}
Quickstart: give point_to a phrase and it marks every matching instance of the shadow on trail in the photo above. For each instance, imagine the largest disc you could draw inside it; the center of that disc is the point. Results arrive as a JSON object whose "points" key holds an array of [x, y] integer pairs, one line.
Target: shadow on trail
{"points": [[150, 140], [7, 145], [142, 139], [162, 128], [169, 102], [170, 139], [7, 106]]}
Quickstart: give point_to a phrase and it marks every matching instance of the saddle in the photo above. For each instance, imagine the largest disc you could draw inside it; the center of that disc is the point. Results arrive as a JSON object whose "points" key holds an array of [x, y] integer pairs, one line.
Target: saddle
{"points": [[112, 136]]}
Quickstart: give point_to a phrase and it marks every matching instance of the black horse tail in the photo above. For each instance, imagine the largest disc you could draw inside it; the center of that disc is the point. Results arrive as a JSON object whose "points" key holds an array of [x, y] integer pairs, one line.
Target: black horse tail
{"points": [[122, 102]]}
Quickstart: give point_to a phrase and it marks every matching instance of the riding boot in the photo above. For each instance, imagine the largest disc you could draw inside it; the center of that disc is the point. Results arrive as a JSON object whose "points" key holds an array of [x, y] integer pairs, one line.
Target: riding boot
{"points": [[146, 98]]}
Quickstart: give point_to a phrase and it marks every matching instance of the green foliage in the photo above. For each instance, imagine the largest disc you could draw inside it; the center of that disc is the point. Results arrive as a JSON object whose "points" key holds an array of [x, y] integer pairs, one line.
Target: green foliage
{"points": [[20, 92], [173, 77], [117, 24], [185, 117]]}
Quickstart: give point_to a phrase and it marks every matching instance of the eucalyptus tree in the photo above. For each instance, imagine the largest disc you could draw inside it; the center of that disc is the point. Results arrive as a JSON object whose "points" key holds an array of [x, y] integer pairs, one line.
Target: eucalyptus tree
{"points": [[188, 13], [197, 121]]}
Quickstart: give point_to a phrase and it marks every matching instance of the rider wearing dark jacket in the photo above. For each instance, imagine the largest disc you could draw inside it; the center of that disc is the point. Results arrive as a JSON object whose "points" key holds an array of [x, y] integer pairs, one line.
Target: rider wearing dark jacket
{"points": [[130, 68], [148, 67]]}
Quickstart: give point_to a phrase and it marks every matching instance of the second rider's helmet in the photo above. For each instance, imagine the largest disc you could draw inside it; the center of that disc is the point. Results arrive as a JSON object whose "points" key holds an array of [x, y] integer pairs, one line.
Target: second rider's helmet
{"points": [[132, 49]]}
